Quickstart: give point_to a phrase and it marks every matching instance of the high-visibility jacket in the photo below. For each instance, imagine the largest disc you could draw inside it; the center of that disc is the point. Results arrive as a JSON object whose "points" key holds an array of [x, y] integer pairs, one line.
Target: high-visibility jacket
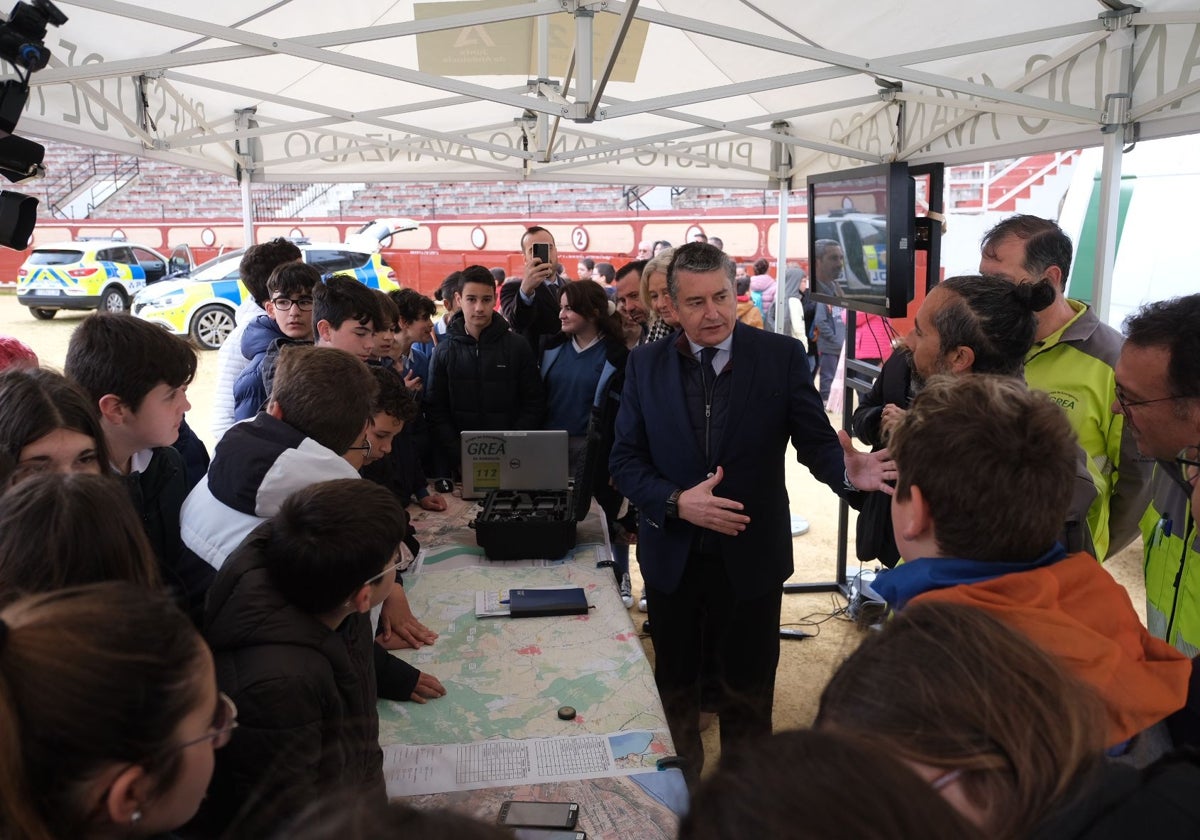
{"points": [[1172, 548], [1074, 366]]}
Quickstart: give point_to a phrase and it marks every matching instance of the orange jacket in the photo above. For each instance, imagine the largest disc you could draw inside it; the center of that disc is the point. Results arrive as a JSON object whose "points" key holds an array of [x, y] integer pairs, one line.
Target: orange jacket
{"points": [[748, 313], [1074, 610]]}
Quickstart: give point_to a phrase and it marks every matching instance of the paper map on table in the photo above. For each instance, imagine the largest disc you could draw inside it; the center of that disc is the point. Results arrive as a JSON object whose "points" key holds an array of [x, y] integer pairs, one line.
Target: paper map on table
{"points": [[411, 770], [593, 662]]}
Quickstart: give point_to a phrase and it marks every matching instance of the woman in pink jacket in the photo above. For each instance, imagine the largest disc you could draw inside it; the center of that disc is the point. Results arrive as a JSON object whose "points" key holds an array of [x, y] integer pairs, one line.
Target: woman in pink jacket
{"points": [[872, 338], [763, 283]]}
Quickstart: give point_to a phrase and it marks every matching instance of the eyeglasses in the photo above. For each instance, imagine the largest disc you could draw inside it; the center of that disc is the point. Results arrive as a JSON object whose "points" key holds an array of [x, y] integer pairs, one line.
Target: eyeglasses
{"points": [[304, 304], [946, 779], [221, 730], [365, 449], [1127, 404], [1189, 463], [371, 580]]}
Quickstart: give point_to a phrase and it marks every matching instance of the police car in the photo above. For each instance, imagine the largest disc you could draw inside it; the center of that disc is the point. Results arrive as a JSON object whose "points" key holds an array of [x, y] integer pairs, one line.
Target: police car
{"points": [[202, 305], [863, 237], [86, 274]]}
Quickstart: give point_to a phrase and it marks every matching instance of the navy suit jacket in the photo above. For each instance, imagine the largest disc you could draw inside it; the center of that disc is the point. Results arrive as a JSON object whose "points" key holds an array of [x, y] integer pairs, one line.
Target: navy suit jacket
{"points": [[772, 401]]}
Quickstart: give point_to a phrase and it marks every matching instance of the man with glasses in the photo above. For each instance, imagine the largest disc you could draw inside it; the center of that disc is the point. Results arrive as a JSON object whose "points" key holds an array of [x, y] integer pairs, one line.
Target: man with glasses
{"points": [[1158, 395], [1189, 466], [1072, 360], [287, 621]]}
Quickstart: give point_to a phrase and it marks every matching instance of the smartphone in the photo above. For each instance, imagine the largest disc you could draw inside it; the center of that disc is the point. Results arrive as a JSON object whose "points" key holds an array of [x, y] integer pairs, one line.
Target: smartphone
{"points": [[541, 251], [539, 814], [548, 834]]}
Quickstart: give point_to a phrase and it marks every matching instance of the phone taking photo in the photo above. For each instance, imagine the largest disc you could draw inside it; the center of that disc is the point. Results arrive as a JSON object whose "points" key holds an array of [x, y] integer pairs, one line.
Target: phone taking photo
{"points": [[541, 251]]}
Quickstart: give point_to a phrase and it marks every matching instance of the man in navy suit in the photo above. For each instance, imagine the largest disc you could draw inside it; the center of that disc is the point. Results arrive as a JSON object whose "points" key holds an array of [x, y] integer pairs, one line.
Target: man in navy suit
{"points": [[701, 436]]}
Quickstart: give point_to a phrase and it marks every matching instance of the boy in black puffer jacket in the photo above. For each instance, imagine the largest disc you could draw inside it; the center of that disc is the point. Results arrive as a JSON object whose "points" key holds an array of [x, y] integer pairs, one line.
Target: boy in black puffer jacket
{"points": [[287, 621], [483, 376]]}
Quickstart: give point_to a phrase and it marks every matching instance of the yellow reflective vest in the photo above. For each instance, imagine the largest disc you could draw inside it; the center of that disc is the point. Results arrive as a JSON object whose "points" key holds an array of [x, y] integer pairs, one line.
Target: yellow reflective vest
{"points": [[1074, 366], [1172, 549]]}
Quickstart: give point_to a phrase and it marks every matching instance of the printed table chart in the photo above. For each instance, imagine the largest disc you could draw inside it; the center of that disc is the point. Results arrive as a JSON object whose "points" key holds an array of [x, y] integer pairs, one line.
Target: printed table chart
{"points": [[497, 735]]}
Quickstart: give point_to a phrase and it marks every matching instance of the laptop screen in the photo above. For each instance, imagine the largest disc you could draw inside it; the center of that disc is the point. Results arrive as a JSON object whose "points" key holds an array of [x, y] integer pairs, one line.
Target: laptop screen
{"points": [[513, 461]]}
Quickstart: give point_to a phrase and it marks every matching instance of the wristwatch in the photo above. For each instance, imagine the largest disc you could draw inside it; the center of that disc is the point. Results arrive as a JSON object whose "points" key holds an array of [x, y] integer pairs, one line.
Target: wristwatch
{"points": [[673, 505], [847, 484]]}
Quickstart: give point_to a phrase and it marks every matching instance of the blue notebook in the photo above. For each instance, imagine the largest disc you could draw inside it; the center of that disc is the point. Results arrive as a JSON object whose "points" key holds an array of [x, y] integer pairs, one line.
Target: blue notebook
{"points": [[530, 603]]}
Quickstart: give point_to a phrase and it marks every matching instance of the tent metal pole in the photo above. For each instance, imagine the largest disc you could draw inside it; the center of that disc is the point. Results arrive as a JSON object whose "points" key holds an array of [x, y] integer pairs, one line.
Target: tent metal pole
{"points": [[780, 299], [543, 69], [247, 210], [584, 49], [1116, 122], [1106, 232], [246, 147], [781, 165]]}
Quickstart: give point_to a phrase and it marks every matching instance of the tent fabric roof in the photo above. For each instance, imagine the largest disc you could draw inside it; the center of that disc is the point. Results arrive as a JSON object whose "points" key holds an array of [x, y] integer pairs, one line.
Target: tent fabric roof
{"points": [[685, 92]]}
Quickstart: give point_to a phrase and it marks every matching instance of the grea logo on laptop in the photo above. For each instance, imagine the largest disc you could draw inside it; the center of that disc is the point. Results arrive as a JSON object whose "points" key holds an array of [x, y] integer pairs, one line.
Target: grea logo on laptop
{"points": [[485, 447], [513, 460]]}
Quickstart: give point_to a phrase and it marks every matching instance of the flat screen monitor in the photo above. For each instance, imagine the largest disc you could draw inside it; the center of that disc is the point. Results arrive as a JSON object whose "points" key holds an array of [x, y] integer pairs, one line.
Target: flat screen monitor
{"points": [[870, 214]]}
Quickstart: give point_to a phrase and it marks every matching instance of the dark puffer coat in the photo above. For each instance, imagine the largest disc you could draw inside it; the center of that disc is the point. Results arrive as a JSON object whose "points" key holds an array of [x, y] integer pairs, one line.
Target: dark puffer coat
{"points": [[489, 384], [306, 698]]}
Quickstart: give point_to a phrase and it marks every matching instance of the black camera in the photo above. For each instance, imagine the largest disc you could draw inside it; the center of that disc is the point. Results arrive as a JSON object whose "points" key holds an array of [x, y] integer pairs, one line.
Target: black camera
{"points": [[21, 37]]}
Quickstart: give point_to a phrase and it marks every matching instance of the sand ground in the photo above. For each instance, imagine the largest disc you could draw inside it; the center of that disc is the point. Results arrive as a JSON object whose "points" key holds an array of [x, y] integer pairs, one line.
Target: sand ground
{"points": [[805, 665]]}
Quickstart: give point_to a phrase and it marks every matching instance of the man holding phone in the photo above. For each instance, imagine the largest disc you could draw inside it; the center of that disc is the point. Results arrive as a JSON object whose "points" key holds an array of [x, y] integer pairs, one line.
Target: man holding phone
{"points": [[531, 304]]}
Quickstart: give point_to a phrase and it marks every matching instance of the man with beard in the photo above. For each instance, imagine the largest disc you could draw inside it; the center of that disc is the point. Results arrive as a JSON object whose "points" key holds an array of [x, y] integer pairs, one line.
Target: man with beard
{"points": [[974, 324]]}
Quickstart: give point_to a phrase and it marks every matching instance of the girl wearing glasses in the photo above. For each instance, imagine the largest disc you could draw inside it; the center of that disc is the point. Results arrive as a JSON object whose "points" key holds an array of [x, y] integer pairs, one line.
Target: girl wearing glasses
{"points": [[109, 715]]}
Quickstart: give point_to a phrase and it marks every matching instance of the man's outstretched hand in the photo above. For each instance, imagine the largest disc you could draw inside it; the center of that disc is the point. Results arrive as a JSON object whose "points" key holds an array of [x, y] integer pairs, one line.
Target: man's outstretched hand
{"points": [[867, 470]]}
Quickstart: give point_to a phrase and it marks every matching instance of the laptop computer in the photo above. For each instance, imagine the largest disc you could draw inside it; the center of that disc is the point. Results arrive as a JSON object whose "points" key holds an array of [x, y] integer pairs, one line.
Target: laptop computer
{"points": [[513, 461]]}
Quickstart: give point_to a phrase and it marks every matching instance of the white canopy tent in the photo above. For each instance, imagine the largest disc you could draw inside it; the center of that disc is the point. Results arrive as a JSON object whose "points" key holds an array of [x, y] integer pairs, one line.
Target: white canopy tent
{"points": [[739, 93]]}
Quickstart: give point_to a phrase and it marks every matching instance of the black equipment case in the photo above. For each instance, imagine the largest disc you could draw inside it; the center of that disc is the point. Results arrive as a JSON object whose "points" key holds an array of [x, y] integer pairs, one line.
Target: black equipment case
{"points": [[520, 524], [533, 524]]}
